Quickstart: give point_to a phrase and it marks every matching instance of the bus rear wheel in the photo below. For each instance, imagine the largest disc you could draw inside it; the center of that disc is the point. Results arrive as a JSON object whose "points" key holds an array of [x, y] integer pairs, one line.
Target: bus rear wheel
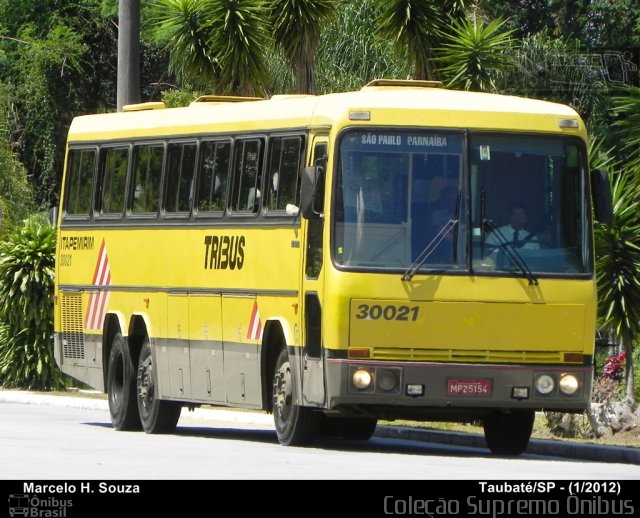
{"points": [[295, 425], [508, 433], [156, 415], [121, 386]]}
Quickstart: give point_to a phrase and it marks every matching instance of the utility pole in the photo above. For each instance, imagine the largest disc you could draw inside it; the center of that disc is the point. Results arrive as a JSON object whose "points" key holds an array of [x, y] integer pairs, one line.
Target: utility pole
{"points": [[128, 53]]}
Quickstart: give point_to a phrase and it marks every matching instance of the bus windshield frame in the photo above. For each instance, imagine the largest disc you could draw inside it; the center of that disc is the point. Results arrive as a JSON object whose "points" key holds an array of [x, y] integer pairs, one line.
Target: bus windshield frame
{"points": [[431, 200]]}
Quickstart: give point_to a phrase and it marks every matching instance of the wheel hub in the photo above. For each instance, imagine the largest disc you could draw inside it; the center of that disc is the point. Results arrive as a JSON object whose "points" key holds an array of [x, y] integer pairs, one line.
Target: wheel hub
{"points": [[282, 392], [146, 387]]}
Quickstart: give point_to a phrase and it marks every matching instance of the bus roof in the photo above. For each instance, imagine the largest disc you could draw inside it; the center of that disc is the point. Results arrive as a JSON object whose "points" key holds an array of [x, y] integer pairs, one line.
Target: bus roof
{"points": [[386, 105]]}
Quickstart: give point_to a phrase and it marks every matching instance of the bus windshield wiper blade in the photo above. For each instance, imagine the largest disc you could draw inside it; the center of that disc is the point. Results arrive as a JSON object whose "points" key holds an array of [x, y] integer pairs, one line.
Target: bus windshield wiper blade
{"points": [[428, 250], [512, 252]]}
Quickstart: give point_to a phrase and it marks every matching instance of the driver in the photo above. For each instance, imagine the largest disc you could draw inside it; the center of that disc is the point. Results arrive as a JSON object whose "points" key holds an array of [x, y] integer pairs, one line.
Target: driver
{"points": [[514, 232]]}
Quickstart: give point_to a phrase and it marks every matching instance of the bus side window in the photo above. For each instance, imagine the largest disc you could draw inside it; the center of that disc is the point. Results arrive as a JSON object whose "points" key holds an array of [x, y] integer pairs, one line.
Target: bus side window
{"points": [[247, 174], [213, 174], [113, 167], [82, 164], [181, 162], [285, 163], [145, 178]]}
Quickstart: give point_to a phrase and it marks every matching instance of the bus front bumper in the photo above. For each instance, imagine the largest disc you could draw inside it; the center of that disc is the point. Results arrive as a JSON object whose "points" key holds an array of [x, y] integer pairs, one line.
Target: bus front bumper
{"points": [[355, 385]]}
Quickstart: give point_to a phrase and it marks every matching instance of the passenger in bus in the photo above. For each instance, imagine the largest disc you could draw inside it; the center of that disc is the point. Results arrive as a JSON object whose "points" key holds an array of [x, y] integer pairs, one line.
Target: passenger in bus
{"points": [[514, 232], [363, 197]]}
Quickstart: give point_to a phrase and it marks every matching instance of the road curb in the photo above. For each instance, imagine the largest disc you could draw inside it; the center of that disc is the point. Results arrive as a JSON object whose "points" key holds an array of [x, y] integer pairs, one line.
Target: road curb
{"points": [[567, 449]]}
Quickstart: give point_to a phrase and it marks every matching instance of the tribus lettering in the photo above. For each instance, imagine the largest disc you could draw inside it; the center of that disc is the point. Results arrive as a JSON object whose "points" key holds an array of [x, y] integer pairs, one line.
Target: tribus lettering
{"points": [[223, 252]]}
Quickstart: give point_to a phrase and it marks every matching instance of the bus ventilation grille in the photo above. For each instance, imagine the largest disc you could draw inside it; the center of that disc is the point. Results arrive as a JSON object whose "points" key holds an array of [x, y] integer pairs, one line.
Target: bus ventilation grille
{"points": [[72, 331]]}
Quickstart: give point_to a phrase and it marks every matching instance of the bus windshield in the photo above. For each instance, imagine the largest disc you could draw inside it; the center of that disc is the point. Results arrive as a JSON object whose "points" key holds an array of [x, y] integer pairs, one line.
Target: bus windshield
{"points": [[493, 204]]}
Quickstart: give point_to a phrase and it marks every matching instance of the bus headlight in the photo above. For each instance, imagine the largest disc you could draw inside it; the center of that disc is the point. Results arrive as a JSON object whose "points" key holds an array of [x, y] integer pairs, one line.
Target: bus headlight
{"points": [[362, 379], [568, 384], [545, 384]]}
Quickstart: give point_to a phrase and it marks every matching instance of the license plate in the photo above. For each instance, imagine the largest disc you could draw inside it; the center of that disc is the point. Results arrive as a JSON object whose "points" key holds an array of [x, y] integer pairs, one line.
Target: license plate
{"points": [[469, 388]]}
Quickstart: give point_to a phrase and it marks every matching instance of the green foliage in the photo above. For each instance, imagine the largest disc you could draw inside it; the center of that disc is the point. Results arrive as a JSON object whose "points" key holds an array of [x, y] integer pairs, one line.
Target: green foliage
{"points": [[474, 55], [557, 70], [47, 69], [350, 54], [239, 39], [26, 307], [182, 25], [627, 109], [413, 26], [618, 264], [216, 44], [15, 191], [179, 98], [599, 157], [297, 26], [618, 269], [58, 59]]}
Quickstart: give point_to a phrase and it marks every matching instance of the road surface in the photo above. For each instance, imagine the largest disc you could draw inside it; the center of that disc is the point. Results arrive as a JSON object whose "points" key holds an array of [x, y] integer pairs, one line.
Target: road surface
{"points": [[53, 442]]}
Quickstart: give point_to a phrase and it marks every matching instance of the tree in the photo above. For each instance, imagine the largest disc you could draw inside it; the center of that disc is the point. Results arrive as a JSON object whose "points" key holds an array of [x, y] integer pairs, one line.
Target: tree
{"points": [[15, 191], [42, 86], [58, 59], [474, 54], [297, 27], [238, 41], [183, 27], [216, 43], [627, 110], [414, 26], [557, 70], [618, 269], [597, 24], [350, 54]]}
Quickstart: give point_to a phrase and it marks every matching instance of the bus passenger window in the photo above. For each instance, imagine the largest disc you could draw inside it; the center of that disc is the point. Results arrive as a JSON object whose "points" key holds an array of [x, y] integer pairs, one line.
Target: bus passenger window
{"points": [[80, 181], [181, 162], [247, 174], [145, 181], [285, 160], [215, 158], [114, 162]]}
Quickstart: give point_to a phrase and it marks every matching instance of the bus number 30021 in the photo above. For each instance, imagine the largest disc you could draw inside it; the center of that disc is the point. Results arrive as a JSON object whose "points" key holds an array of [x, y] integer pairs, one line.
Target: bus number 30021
{"points": [[391, 312]]}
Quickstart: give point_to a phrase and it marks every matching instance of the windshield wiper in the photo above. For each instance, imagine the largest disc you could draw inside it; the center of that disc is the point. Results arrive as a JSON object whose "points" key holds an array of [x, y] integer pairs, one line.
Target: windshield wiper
{"points": [[428, 250], [512, 252]]}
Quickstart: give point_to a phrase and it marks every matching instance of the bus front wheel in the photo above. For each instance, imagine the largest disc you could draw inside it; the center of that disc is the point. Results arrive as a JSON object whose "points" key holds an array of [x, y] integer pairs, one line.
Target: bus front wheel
{"points": [[156, 415], [295, 425], [508, 433], [121, 386]]}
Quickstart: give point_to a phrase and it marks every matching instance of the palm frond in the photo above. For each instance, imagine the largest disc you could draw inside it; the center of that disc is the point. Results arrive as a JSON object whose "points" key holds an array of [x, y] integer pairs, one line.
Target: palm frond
{"points": [[474, 54]]}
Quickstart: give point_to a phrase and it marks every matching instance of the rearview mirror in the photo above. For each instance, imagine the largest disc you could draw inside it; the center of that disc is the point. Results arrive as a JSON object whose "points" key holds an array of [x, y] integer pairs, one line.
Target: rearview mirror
{"points": [[601, 194], [312, 191]]}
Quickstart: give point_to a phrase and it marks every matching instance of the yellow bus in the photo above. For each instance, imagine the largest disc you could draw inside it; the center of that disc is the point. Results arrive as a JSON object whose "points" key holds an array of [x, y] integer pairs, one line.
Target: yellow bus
{"points": [[332, 259]]}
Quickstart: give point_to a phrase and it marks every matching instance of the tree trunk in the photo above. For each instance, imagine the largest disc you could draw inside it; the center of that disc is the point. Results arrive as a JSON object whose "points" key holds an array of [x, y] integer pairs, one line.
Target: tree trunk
{"points": [[128, 53], [627, 344]]}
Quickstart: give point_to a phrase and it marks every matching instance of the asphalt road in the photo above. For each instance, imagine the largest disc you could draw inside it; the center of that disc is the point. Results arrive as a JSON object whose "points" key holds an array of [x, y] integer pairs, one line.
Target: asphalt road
{"points": [[61, 442]]}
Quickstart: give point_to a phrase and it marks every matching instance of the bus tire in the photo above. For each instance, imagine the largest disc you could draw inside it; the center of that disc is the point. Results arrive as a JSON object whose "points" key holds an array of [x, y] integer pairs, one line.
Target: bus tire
{"points": [[508, 433], [121, 386], [157, 415], [295, 425]]}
